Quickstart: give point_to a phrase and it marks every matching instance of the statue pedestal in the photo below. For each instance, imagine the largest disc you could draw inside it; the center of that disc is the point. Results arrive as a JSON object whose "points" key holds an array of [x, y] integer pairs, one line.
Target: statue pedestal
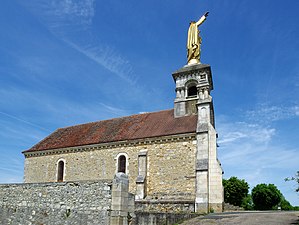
{"points": [[193, 61]]}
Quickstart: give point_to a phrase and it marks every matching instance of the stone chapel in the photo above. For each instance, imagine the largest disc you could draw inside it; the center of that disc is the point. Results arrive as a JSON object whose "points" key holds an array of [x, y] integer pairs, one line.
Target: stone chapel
{"points": [[169, 156]]}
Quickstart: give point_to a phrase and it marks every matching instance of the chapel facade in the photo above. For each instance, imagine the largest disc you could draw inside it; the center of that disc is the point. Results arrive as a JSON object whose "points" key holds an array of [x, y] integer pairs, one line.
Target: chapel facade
{"points": [[169, 155]]}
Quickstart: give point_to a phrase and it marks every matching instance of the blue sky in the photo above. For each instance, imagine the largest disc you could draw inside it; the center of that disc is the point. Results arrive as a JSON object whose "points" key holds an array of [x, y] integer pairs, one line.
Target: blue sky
{"points": [[64, 62]]}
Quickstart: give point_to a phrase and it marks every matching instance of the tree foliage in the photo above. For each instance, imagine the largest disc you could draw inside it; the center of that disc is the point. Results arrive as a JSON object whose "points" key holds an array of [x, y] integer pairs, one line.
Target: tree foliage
{"points": [[235, 190], [296, 179], [247, 203], [266, 196], [263, 196], [285, 204]]}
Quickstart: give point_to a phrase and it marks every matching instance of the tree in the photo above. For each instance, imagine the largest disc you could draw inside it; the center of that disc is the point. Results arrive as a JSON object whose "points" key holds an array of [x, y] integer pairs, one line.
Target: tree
{"points": [[285, 204], [247, 203], [265, 196], [296, 179], [235, 190]]}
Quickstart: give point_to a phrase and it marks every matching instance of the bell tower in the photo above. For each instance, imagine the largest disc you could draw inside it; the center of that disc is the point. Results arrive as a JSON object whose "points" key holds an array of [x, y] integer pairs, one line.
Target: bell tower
{"points": [[193, 87]]}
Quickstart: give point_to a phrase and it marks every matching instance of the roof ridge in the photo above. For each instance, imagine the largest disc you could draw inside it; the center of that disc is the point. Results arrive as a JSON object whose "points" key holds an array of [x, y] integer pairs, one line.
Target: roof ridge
{"points": [[122, 117]]}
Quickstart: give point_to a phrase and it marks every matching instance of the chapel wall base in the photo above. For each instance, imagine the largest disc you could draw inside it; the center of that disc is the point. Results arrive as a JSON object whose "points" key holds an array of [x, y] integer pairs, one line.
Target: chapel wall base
{"points": [[216, 207], [202, 208]]}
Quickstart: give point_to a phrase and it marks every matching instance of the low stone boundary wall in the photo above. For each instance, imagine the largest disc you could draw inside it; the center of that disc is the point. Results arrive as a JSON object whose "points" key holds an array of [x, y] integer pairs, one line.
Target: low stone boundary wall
{"points": [[56, 203], [231, 208], [155, 218], [100, 202], [166, 206], [163, 211]]}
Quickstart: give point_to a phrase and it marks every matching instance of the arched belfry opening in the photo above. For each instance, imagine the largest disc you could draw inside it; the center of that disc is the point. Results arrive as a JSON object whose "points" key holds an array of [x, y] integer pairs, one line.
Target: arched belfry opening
{"points": [[192, 91], [60, 171], [122, 161]]}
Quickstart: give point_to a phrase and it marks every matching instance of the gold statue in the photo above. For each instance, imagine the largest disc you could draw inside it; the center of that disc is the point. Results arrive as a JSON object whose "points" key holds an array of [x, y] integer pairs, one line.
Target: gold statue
{"points": [[194, 40]]}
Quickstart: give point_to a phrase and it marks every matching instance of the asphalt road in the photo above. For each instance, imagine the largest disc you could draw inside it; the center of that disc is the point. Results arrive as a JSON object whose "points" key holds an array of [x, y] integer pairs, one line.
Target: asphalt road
{"points": [[247, 218]]}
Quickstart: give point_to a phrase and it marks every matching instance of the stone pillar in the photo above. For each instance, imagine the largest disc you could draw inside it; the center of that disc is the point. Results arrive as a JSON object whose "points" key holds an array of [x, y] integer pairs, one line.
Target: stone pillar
{"points": [[141, 178], [209, 190], [202, 176], [206, 159], [120, 201]]}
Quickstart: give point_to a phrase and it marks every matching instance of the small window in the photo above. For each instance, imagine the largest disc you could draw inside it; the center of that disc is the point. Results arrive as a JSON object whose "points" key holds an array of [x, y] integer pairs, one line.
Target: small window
{"points": [[122, 164], [192, 91], [60, 171]]}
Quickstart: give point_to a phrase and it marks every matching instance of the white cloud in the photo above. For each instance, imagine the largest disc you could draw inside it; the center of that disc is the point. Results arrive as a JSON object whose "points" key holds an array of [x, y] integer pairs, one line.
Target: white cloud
{"points": [[10, 178], [22, 121], [108, 58], [82, 8], [64, 13], [35, 65], [242, 143], [57, 110], [240, 131], [251, 151], [113, 110], [67, 19], [11, 169], [250, 145], [264, 113]]}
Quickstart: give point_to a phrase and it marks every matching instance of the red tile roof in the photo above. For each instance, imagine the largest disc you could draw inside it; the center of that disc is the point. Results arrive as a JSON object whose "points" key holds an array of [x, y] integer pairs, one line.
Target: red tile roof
{"points": [[138, 126]]}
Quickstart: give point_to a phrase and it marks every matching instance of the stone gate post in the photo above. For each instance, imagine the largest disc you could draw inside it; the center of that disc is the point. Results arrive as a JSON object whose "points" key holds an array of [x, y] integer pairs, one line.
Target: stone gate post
{"points": [[119, 204]]}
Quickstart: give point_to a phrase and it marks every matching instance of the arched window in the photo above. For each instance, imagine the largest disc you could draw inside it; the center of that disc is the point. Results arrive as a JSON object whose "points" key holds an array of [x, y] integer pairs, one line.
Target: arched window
{"points": [[122, 164], [60, 171], [192, 91]]}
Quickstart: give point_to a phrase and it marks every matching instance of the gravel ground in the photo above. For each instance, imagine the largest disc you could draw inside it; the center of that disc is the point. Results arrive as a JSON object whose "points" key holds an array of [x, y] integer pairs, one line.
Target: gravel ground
{"points": [[247, 218]]}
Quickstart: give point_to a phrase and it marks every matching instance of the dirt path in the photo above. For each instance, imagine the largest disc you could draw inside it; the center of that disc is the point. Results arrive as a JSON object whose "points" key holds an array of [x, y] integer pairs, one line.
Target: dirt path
{"points": [[247, 218]]}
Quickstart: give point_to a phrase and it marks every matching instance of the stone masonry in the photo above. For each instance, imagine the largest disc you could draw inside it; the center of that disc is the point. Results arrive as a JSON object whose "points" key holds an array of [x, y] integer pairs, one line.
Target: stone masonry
{"points": [[79, 202], [99, 162]]}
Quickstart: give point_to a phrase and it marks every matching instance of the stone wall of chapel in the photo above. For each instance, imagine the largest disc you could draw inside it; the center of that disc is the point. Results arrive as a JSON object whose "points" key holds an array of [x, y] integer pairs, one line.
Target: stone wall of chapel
{"points": [[172, 170], [170, 167]]}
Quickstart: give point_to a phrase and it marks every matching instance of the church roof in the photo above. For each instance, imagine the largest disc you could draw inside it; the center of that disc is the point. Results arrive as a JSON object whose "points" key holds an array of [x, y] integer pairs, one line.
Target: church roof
{"points": [[139, 126]]}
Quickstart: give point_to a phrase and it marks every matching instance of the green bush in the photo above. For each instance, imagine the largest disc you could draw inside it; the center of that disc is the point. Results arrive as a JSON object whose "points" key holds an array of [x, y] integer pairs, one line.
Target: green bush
{"points": [[235, 190], [247, 203], [266, 196], [285, 205]]}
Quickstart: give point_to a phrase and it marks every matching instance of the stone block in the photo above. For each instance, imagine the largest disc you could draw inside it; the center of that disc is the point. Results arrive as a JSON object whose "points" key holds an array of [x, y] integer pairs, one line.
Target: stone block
{"points": [[118, 220], [140, 179], [202, 128], [202, 207], [202, 164], [142, 153]]}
